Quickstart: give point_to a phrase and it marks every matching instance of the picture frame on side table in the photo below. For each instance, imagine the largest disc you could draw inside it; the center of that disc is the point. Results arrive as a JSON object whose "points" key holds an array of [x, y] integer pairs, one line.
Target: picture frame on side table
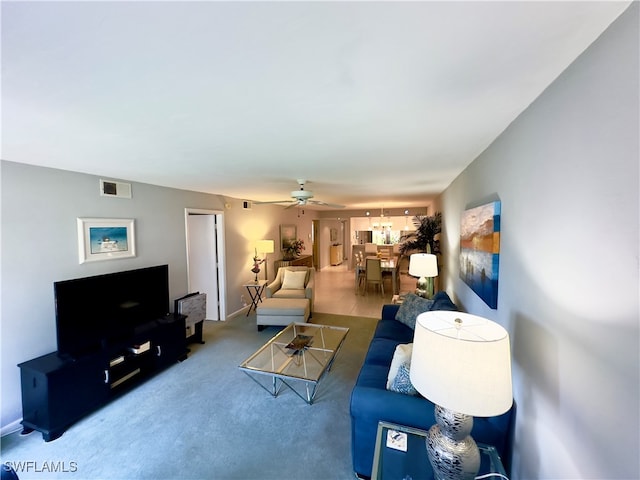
{"points": [[288, 234], [105, 239]]}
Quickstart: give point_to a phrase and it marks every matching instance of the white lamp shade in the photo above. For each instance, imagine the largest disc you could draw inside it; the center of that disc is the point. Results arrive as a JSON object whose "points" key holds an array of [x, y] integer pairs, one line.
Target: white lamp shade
{"points": [[264, 246], [423, 265], [462, 362]]}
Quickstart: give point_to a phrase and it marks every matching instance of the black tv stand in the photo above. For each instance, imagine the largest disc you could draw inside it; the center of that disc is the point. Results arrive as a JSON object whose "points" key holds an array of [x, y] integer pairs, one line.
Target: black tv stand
{"points": [[58, 390]]}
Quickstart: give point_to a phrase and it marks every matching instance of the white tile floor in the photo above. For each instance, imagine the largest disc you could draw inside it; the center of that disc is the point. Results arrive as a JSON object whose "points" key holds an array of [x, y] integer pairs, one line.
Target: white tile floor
{"points": [[336, 293]]}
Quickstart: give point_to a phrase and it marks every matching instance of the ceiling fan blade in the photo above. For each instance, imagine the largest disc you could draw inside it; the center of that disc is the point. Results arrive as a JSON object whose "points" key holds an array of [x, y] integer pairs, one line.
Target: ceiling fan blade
{"points": [[273, 201], [301, 198], [325, 204]]}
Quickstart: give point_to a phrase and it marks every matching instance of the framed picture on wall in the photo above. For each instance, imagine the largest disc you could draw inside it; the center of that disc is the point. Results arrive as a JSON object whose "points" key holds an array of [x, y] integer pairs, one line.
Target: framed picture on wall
{"points": [[480, 251], [105, 239], [288, 234]]}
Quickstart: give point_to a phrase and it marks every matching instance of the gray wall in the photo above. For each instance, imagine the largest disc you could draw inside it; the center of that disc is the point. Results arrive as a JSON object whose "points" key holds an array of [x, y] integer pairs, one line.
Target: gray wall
{"points": [[566, 172], [39, 247]]}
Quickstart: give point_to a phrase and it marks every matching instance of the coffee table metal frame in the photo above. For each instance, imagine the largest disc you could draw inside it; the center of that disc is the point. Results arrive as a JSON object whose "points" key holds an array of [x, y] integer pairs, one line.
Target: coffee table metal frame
{"points": [[288, 367]]}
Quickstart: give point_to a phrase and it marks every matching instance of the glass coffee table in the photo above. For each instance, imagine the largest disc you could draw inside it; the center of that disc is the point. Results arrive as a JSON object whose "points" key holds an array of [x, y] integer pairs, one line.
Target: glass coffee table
{"points": [[301, 354]]}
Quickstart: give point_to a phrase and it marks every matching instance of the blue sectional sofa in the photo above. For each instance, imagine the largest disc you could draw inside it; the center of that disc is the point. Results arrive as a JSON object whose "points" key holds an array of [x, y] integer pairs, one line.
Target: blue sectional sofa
{"points": [[371, 402]]}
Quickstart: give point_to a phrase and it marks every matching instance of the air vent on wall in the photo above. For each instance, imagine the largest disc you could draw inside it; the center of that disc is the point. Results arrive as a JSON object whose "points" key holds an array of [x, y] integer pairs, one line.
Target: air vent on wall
{"points": [[115, 189], [246, 204]]}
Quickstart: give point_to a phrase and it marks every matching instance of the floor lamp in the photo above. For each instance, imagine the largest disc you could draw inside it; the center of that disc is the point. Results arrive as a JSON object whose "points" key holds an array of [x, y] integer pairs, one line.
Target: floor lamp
{"points": [[265, 247], [462, 364]]}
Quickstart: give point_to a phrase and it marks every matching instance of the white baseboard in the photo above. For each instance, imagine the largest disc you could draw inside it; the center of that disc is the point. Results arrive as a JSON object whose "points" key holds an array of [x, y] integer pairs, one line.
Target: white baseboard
{"points": [[11, 427], [243, 310]]}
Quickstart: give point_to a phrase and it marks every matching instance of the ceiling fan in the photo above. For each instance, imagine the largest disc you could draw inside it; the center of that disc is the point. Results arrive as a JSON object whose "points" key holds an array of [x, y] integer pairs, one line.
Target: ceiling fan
{"points": [[302, 197]]}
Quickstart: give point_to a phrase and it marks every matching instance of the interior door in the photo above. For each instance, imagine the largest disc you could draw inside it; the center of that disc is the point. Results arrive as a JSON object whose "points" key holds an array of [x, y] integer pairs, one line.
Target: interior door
{"points": [[202, 260]]}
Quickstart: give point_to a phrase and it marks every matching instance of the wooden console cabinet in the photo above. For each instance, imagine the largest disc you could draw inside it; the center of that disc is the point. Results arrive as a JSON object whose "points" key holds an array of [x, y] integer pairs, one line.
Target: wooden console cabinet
{"points": [[303, 260], [58, 391], [336, 254]]}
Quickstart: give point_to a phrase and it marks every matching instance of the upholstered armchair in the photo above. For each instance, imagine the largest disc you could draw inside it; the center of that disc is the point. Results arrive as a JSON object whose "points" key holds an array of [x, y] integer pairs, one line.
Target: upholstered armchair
{"points": [[291, 283]]}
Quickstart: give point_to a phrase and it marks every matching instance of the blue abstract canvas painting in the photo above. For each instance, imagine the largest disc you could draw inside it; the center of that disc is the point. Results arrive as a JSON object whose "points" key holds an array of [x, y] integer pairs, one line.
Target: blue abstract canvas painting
{"points": [[480, 251]]}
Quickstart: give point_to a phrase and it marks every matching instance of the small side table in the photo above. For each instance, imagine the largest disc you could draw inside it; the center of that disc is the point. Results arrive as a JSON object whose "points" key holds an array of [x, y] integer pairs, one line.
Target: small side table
{"points": [[401, 452], [255, 290], [399, 298]]}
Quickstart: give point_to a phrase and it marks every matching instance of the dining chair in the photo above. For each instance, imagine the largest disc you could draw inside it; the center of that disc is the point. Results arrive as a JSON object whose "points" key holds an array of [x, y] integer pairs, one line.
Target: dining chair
{"points": [[388, 275], [373, 274], [360, 268], [370, 248]]}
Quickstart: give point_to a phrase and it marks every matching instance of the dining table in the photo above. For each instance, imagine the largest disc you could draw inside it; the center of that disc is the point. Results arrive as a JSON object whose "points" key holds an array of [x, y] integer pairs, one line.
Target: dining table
{"points": [[386, 265]]}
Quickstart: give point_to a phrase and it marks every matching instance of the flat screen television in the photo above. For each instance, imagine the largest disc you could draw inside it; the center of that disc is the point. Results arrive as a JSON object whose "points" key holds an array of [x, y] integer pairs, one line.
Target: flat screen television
{"points": [[94, 312]]}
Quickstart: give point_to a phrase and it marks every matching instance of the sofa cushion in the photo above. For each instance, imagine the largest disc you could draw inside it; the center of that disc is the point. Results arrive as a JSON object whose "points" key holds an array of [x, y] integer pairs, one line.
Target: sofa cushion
{"points": [[412, 306], [294, 280], [380, 353], [282, 293], [394, 330], [373, 376], [401, 355]]}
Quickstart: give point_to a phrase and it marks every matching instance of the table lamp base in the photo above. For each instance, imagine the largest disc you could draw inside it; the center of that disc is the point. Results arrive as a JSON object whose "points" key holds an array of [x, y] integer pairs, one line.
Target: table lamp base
{"points": [[453, 454]]}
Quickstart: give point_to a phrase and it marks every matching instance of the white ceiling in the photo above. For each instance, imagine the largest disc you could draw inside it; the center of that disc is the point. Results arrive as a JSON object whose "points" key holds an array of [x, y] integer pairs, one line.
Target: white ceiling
{"points": [[372, 102]]}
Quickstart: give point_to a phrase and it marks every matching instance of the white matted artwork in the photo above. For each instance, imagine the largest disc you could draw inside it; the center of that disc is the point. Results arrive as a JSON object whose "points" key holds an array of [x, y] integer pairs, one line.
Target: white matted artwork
{"points": [[288, 235], [105, 239]]}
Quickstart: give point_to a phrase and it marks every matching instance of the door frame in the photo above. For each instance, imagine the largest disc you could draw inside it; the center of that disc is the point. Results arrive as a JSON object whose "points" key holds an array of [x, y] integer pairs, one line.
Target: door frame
{"points": [[220, 247], [315, 239]]}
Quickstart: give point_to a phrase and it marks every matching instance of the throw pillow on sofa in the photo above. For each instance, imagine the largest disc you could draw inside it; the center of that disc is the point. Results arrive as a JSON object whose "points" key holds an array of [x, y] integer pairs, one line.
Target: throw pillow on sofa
{"points": [[293, 280], [441, 301], [412, 306], [401, 355], [402, 382]]}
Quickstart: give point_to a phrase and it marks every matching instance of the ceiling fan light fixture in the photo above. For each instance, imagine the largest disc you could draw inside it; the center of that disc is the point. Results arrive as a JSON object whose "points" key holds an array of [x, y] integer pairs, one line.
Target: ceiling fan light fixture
{"points": [[301, 194], [301, 198]]}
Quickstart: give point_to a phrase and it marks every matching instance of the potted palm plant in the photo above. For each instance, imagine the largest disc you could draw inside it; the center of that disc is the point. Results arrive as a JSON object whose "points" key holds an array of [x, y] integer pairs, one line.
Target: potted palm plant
{"points": [[423, 238]]}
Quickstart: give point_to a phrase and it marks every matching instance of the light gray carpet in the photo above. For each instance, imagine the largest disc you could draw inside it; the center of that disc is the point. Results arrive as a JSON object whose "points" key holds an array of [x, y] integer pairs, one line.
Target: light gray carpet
{"points": [[204, 418]]}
